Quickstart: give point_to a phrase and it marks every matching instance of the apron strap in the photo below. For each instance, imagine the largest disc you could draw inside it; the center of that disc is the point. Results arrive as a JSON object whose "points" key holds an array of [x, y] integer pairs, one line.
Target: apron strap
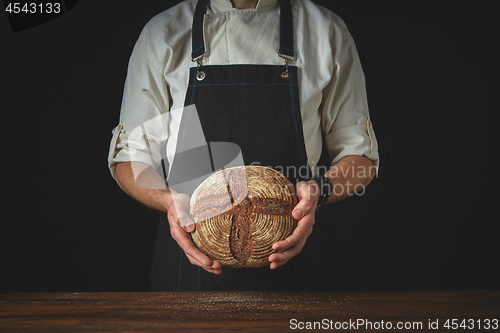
{"points": [[286, 49], [286, 31], [197, 33]]}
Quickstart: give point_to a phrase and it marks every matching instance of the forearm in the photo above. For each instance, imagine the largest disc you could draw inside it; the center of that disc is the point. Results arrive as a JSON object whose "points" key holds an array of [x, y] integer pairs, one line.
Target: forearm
{"points": [[350, 175], [146, 187]]}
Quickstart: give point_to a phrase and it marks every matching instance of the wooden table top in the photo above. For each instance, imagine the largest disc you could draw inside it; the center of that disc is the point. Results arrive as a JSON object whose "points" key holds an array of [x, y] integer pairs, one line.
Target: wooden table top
{"points": [[448, 311]]}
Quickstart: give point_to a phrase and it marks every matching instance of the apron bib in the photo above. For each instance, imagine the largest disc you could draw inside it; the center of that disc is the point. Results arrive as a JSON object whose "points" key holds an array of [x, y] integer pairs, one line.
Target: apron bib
{"points": [[257, 108]]}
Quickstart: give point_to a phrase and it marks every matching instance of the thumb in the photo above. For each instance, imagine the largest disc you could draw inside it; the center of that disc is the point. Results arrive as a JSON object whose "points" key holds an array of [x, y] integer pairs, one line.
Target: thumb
{"points": [[189, 227]]}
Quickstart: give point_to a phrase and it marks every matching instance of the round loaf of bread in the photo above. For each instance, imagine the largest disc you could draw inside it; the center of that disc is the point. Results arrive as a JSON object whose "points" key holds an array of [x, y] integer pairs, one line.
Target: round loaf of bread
{"points": [[240, 213]]}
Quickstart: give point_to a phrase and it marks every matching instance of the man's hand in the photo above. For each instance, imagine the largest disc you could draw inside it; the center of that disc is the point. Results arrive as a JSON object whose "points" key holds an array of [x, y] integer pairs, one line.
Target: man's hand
{"points": [[154, 193], [308, 194], [181, 225]]}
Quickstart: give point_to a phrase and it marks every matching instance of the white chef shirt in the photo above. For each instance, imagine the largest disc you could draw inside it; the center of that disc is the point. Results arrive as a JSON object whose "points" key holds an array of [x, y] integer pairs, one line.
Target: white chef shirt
{"points": [[332, 89]]}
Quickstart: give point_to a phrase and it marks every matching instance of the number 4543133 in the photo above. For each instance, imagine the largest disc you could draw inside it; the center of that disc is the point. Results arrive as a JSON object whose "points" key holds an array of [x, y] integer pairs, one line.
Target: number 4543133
{"points": [[478, 324], [33, 8]]}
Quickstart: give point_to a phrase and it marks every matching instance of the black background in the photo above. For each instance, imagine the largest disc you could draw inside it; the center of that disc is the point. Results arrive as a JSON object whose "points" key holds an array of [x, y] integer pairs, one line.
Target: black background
{"points": [[427, 222]]}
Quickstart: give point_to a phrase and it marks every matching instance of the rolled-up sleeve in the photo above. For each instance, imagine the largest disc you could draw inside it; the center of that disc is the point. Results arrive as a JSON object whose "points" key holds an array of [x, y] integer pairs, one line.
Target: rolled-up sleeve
{"points": [[346, 121], [142, 129]]}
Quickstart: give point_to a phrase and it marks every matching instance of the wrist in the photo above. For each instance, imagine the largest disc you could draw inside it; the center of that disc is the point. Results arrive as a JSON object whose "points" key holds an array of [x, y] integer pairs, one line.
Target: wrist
{"points": [[168, 199], [159, 200]]}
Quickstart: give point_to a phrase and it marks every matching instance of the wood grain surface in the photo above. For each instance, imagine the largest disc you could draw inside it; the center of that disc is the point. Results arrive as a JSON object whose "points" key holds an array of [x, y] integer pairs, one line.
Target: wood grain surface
{"points": [[247, 311]]}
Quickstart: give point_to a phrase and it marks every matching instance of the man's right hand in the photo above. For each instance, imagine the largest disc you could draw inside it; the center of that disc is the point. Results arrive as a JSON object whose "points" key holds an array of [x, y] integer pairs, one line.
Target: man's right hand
{"points": [[181, 225], [154, 193]]}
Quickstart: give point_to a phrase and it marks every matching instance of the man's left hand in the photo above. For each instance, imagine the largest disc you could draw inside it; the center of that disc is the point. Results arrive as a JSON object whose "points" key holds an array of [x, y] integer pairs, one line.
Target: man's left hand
{"points": [[308, 194]]}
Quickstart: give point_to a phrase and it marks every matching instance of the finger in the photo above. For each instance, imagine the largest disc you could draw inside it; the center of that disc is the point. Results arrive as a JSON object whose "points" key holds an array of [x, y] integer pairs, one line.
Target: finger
{"points": [[190, 227], [216, 267], [181, 202], [282, 257], [303, 230], [195, 256], [177, 214], [186, 222], [304, 207], [184, 240], [308, 194], [178, 202], [309, 191], [279, 259]]}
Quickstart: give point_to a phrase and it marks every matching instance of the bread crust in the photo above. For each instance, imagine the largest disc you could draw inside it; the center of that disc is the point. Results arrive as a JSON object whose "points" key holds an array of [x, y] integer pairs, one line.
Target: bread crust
{"points": [[240, 213]]}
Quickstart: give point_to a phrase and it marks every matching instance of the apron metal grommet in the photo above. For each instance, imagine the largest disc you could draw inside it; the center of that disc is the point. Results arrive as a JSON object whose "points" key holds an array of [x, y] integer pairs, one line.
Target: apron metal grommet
{"points": [[285, 75], [200, 75]]}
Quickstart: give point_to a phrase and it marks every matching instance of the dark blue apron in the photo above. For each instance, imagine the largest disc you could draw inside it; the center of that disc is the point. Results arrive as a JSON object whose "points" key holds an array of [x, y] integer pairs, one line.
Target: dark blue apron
{"points": [[257, 108]]}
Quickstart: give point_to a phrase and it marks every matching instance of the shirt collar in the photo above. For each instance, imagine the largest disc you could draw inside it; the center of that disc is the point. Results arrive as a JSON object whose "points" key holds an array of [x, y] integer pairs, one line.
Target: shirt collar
{"points": [[226, 5]]}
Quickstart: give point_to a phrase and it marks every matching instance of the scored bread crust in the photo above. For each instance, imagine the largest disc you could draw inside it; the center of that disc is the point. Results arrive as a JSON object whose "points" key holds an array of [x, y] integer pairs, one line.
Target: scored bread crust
{"points": [[240, 213]]}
